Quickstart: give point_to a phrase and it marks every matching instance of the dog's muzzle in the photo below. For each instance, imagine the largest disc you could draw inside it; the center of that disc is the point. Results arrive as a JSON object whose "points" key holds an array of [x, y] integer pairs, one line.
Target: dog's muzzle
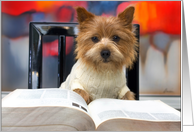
{"points": [[105, 54]]}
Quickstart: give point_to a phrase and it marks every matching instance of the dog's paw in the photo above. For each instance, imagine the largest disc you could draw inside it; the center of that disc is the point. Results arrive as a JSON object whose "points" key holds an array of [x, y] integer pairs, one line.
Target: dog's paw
{"points": [[84, 95], [129, 96]]}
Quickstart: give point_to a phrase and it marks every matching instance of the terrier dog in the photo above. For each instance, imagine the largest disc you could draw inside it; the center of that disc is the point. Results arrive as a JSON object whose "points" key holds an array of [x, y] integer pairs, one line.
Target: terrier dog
{"points": [[105, 47]]}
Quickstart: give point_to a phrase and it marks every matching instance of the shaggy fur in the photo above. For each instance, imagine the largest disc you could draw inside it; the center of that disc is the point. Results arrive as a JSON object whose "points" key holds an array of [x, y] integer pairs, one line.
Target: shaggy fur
{"points": [[123, 53], [113, 34]]}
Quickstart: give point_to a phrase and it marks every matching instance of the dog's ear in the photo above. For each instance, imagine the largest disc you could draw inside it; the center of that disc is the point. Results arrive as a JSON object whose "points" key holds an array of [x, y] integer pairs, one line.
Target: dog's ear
{"points": [[127, 15], [83, 14]]}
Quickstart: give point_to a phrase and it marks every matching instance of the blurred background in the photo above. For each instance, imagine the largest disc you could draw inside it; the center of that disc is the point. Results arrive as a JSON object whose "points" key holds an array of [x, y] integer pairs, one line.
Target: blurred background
{"points": [[160, 40]]}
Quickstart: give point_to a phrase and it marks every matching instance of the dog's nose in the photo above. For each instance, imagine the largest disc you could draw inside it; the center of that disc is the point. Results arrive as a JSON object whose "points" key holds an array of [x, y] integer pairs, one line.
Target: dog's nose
{"points": [[105, 54]]}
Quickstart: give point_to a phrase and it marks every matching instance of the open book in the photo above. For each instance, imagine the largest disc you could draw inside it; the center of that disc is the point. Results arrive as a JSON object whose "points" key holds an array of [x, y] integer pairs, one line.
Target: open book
{"points": [[61, 109]]}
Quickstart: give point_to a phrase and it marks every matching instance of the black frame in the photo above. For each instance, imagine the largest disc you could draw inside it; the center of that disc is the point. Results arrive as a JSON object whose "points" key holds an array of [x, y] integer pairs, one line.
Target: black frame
{"points": [[39, 29]]}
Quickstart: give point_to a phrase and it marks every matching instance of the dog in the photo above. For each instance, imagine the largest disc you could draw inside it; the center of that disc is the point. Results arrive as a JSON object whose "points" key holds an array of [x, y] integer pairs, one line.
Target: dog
{"points": [[105, 47]]}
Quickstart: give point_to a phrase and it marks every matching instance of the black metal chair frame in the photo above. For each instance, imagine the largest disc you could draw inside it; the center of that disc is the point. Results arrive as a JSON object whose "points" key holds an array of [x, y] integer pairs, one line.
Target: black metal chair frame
{"points": [[62, 30]]}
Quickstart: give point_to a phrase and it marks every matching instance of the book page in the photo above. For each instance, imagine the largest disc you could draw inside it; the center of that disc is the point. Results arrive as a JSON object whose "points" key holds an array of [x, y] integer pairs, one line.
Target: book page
{"points": [[105, 109], [44, 97], [53, 118], [45, 109], [124, 124]]}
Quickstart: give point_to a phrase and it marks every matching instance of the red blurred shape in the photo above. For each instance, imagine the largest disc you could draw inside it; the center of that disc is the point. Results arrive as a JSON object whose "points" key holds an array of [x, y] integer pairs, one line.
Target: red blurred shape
{"points": [[17, 7], [65, 14], [51, 48], [155, 16]]}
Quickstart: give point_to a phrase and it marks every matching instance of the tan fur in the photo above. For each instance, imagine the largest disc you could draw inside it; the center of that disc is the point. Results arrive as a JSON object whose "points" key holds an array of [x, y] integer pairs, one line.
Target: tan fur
{"points": [[129, 96], [84, 95], [123, 52]]}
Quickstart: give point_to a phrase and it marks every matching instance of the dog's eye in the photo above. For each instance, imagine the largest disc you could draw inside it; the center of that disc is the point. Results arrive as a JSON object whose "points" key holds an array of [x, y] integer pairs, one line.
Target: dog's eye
{"points": [[116, 38], [95, 39]]}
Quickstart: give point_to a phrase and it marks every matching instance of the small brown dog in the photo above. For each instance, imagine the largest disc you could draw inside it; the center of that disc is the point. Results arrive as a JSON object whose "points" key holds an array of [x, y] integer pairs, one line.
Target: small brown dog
{"points": [[105, 47]]}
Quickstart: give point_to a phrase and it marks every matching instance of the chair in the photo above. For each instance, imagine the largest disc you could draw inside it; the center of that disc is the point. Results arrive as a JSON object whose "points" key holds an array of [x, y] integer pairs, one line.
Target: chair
{"points": [[62, 30]]}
